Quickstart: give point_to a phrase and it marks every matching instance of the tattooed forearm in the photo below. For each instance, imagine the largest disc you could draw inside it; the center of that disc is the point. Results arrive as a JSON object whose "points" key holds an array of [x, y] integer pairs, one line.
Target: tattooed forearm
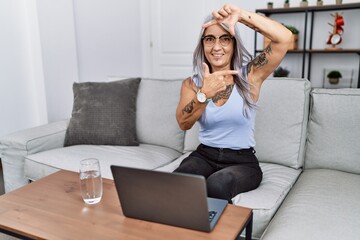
{"points": [[189, 107], [223, 94]]}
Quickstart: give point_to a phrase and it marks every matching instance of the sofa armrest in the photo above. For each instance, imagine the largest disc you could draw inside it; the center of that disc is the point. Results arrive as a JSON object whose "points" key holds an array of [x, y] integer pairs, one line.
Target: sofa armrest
{"points": [[16, 146]]}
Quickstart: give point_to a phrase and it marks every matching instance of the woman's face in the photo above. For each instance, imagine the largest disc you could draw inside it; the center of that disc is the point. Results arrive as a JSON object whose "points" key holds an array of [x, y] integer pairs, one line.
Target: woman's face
{"points": [[218, 54]]}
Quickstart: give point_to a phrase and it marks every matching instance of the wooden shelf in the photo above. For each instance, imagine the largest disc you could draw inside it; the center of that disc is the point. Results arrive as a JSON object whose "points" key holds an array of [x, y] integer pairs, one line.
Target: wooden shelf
{"points": [[309, 14], [334, 7], [355, 50]]}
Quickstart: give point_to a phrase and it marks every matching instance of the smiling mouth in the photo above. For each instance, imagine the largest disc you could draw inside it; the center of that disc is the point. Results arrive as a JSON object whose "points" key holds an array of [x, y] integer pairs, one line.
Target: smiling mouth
{"points": [[217, 55]]}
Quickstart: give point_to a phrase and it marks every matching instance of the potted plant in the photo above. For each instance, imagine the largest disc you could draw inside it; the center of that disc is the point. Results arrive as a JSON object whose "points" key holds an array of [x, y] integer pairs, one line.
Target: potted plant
{"points": [[286, 4], [281, 72], [292, 29], [304, 3], [319, 2], [334, 77], [270, 5]]}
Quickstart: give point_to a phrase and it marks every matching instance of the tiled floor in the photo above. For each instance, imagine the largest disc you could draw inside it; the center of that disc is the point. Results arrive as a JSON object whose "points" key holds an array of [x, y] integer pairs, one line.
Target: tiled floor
{"points": [[2, 191]]}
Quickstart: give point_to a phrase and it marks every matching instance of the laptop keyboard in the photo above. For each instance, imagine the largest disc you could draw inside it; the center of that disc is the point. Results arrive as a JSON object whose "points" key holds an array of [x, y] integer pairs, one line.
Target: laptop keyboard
{"points": [[212, 215]]}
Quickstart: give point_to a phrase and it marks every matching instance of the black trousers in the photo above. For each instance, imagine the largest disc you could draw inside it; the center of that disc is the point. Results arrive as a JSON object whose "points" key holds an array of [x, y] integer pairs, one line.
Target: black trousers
{"points": [[228, 172]]}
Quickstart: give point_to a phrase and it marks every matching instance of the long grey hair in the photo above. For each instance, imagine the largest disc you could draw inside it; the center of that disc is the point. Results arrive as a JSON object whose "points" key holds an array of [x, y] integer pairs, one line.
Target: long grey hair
{"points": [[240, 59]]}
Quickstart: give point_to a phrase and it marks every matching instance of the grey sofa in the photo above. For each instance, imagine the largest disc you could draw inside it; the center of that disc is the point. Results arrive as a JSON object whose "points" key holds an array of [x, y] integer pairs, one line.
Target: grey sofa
{"points": [[307, 144]]}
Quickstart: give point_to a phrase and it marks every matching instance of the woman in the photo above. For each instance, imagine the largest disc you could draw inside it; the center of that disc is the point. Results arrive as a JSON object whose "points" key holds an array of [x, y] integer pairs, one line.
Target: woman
{"points": [[222, 97]]}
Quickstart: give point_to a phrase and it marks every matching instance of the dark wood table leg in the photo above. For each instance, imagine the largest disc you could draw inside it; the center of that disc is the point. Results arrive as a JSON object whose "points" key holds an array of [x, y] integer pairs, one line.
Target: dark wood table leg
{"points": [[248, 231]]}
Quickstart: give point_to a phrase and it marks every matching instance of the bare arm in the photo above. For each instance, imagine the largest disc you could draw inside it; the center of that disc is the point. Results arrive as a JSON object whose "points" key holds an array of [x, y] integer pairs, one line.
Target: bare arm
{"points": [[265, 63], [189, 108]]}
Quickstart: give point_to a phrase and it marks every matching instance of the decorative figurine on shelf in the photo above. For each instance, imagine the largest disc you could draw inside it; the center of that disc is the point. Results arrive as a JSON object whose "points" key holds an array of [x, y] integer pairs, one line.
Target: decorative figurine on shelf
{"points": [[270, 5], [335, 37], [319, 2], [286, 4]]}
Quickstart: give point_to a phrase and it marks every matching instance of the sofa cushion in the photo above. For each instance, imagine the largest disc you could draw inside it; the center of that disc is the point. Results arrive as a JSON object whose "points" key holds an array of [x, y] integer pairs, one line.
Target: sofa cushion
{"points": [[333, 134], [281, 121], [323, 204], [174, 164], [266, 199], [156, 113], [143, 156], [104, 113]]}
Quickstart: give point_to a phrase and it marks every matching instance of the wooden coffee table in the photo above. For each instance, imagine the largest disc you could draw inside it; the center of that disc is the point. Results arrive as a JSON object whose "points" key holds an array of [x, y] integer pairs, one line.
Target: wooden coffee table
{"points": [[52, 208]]}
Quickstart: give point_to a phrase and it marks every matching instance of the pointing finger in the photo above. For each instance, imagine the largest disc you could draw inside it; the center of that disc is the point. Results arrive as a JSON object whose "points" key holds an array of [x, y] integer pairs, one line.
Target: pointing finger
{"points": [[226, 72]]}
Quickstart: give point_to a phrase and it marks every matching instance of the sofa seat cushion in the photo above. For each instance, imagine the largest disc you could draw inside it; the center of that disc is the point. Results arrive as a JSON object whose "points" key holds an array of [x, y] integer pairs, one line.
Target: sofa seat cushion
{"points": [[266, 199], [174, 164], [324, 204], [143, 156]]}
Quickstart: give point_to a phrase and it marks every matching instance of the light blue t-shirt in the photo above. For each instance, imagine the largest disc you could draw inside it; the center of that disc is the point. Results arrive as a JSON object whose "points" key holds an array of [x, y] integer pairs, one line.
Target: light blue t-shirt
{"points": [[226, 126]]}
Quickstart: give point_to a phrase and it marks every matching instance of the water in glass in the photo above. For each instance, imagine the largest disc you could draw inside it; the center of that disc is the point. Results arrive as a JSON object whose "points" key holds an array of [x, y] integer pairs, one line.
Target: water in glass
{"points": [[90, 181]]}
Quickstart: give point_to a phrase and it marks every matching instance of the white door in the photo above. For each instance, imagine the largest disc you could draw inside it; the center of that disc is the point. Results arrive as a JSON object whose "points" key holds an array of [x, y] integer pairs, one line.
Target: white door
{"points": [[171, 30]]}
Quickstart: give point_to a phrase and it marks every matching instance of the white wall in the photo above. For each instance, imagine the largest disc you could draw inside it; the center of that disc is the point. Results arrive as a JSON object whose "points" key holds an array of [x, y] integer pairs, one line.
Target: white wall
{"points": [[108, 38], [22, 97], [59, 57], [47, 45]]}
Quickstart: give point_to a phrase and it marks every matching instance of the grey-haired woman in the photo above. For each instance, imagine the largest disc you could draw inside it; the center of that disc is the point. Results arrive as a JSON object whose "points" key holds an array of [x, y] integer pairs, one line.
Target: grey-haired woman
{"points": [[222, 96]]}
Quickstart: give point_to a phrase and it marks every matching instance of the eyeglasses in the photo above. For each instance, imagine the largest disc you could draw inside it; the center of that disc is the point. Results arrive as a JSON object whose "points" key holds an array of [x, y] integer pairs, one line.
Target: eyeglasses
{"points": [[210, 40]]}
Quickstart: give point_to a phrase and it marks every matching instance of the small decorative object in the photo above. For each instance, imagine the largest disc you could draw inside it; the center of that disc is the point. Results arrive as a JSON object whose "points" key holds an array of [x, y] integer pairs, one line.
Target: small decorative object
{"points": [[342, 77], [304, 3], [335, 36], [281, 72], [338, 1], [286, 4], [319, 2], [334, 77], [270, 5]]}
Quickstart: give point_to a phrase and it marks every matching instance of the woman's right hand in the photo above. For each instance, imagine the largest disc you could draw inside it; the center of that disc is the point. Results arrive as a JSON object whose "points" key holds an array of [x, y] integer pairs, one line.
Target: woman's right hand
{"points": [[215, 82]]}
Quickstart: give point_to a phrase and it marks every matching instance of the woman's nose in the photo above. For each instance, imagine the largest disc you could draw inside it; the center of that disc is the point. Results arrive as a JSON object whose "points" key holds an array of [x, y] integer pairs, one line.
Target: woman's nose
{"points": [[217, 44]]}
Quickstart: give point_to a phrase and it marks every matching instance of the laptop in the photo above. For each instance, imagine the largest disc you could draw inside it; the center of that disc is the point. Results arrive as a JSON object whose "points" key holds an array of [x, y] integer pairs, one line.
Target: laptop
{"points": [[175, 199]]}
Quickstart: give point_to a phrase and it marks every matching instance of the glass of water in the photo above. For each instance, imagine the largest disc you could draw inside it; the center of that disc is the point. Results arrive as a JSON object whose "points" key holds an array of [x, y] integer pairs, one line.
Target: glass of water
{"points": [[90, 181]]}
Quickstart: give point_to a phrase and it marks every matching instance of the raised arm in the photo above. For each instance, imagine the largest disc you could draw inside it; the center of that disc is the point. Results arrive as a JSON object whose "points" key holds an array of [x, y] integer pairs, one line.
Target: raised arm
{"points": [[265, 63]]}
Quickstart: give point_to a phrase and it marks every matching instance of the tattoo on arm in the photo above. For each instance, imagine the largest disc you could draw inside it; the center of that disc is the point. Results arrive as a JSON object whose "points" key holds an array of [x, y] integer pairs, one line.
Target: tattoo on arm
{"points": [[260, 60], [189, 107], [223, 94], [268, 49]]}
